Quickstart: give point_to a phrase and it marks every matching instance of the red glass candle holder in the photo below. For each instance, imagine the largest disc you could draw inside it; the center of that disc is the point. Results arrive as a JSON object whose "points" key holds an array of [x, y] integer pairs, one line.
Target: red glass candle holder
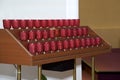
{"points": [[7, 23], [98, 40], [53, 46], [55, 23], [83, 42], [69, 32], [46, 46], [44, 23], [77, 43], [79, 31], [23, 24], [71, 22], [72, 43], [38, 34], [59, 45], [37, 23], [77, 22], [63, 32], [57, 32], [66, 44], [93, 42], [66, 23], [30, 23], [45, 34], [23, 35], [50, 23], [31, 48], [74, 31], [88, 42], [52, 33], [31, 35], [15, 24], [61, 23], [39, 47], [85, 31]]}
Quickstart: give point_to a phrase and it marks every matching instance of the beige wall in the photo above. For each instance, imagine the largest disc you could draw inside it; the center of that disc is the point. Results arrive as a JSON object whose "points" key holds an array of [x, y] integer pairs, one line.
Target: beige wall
{"points": [[104, 17]]}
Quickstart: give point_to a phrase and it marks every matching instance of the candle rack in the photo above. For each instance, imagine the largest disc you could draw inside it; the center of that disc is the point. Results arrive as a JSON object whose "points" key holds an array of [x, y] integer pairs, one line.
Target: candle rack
{"points": [[38, 42]]}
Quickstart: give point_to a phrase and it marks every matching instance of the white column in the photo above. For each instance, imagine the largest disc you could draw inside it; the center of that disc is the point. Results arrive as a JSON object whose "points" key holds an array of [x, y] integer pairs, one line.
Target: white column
{"points": [[72, 9], [78, 69], [72, 12]]}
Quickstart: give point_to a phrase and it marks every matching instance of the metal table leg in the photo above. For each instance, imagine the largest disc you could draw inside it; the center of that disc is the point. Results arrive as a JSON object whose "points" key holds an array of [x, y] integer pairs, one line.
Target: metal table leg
{"points": [[39, 72], [74, 70], [18, 72], [93, 68]]}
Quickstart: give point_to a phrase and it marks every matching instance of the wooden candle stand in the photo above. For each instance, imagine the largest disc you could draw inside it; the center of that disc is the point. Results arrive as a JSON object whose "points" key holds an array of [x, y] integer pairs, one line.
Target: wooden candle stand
{"points": [[15, 51]]}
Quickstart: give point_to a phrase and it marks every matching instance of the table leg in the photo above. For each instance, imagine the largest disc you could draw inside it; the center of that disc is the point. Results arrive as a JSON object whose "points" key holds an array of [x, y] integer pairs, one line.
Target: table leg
{"points": [[74, 70], [39, 72], [18, 72], [93, 68]]}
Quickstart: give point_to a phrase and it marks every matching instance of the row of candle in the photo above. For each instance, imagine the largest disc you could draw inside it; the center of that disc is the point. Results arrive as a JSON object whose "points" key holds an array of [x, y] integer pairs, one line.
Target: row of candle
{"points": [[23, 24], [53, 33], [62, 45]]}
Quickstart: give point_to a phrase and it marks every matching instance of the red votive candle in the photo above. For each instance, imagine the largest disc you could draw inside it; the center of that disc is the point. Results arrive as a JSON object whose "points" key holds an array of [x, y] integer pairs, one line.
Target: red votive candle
{"points": [[98, 40], [38, 34], [37, 23], [77, 43], [74, 30], [85, 31], [88, 42], [30, 23], [77, 22], [60, 45], [23, 24], [93, 41], [69, 32], [71, 22], [15, 24], [46, 46], [53, 46], [39, 47], [7, 24], [45, 34], [66, 44], [23, 35], [44, 23], [83, 42], [55, 23], [52, 33], [31, 48], [72, 43], [66, 23], [63, 33], [31, 35], [79, 31], [61, 23], [57, 32], [50, 23]]}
